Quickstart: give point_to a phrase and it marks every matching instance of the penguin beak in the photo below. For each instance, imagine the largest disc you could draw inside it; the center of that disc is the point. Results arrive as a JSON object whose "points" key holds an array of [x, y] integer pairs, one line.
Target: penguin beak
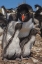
{"points": [[23, 17]]}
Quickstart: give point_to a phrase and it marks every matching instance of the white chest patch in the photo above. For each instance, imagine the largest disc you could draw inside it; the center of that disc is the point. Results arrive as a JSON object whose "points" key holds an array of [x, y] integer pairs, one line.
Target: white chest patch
{"points": [[27, 26]]}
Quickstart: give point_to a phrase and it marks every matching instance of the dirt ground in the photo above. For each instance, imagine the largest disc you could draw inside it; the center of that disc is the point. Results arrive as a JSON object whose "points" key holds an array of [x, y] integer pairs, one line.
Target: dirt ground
{"points": [[36, 54]]}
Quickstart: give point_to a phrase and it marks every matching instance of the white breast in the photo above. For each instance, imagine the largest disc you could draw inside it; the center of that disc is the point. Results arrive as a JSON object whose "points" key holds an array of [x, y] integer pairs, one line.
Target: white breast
{"points": [[27, 26]]}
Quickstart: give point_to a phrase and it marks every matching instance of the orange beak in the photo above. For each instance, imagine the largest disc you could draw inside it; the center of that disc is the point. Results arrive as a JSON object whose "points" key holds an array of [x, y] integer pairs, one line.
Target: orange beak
{"points": [[23, 17]]}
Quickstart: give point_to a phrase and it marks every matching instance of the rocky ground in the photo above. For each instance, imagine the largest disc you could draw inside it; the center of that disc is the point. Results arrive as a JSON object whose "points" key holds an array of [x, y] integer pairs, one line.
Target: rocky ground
{"points": [[36, 54]]}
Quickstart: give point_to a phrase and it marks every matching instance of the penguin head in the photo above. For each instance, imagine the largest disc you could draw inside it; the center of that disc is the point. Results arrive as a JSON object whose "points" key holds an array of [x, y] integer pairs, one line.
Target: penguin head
{"points": [[37, 6], [23, 12], [3, 25], [3, 22], [3, 10]]}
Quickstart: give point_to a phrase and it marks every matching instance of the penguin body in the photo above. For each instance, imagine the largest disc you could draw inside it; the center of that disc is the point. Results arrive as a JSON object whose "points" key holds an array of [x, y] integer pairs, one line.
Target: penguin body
{"points": [[12, 50]]}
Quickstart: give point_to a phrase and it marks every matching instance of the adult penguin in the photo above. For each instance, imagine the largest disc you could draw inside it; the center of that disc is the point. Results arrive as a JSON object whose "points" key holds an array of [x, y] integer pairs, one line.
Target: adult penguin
{"points": [[28, 32], [38, 16]]}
